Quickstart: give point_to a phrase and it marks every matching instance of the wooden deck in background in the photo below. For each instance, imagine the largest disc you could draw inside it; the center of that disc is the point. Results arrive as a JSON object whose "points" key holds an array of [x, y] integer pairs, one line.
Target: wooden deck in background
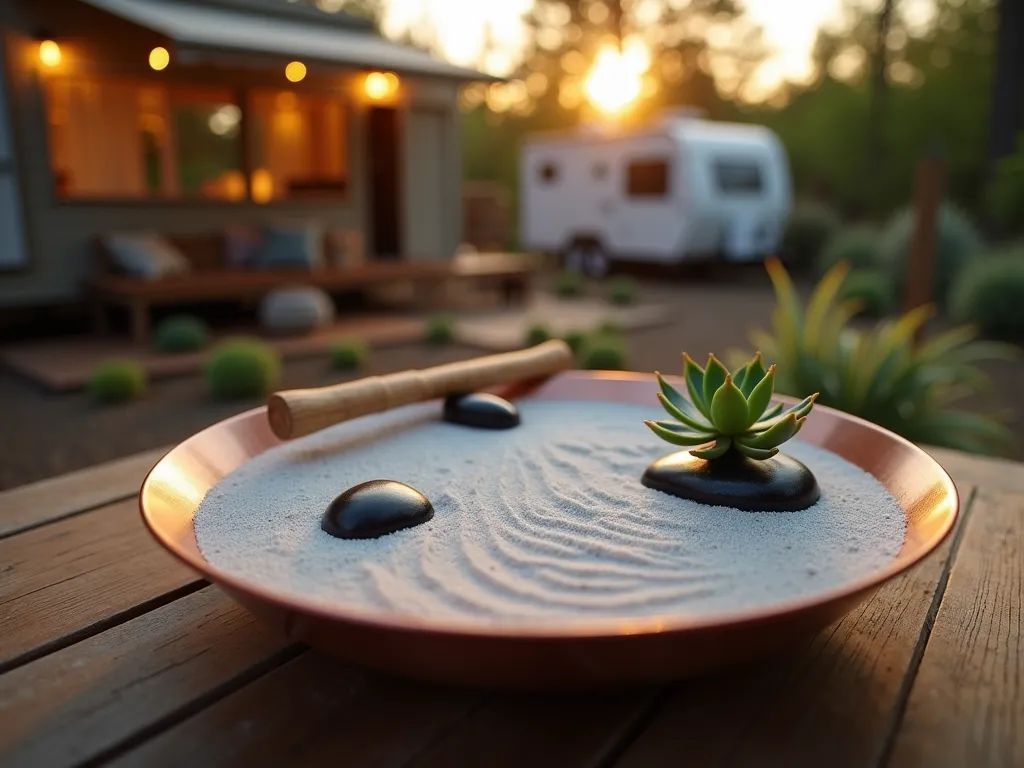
{"points": [[111, 652]]}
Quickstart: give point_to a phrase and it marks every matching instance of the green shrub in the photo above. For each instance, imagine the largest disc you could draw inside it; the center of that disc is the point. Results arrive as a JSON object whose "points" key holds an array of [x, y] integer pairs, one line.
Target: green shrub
{"points": [[537, 334], [117, 381], [858, 245], [349, 355], [181, 333], [243, 367], [568, 284], [575, 340], [873, 289], [880, 374], [989, 293], [622, 291], [440, 329], [810, 227], [602, 352], [1004, 197], [956, 243], [610, 327]]}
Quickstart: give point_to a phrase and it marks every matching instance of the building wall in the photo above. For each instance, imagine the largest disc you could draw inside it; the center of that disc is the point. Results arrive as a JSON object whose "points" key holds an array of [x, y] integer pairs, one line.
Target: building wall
{"points": [[60, 232]]}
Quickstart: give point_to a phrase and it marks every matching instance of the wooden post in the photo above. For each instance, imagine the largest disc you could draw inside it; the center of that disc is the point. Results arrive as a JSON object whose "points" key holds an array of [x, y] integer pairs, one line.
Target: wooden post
{"points": [[928, 184]]}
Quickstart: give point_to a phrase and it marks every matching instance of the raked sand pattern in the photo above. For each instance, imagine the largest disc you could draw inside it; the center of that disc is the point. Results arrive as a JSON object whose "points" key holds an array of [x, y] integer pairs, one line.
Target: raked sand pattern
{"points": [[545, 522]]}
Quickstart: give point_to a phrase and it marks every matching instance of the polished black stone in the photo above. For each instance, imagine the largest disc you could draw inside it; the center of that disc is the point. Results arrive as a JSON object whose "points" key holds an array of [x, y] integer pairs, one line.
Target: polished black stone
{"points": [[376, 508], [481, 410], [778, 484]]}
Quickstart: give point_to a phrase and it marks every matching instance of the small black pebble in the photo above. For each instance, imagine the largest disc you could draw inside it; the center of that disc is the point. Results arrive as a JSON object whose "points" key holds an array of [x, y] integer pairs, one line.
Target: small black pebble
{"points": [[481, 410], [376, 508]]}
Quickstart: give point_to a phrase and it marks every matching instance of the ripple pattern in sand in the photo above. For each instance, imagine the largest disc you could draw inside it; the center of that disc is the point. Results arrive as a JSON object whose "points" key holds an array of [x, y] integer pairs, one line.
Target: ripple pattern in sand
{"points": [[544, 521]]}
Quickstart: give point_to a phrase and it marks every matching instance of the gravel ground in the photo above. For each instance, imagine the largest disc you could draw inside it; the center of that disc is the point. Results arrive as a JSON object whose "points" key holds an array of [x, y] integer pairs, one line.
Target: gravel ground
{"points": [[45, 435]]}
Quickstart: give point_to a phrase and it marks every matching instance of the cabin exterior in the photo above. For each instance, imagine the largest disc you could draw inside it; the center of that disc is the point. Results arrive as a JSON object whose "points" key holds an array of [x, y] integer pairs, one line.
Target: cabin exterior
{"points": [[183, 117]]}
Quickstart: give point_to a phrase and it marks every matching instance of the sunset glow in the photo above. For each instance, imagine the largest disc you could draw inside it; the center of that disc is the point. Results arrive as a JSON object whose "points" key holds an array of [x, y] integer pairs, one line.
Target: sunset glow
{"points": [[616, 80]]}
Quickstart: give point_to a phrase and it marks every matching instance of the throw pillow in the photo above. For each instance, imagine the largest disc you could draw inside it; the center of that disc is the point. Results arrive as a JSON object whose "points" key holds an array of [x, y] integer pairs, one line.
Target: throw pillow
{"points": [[291, 248], [145, 254], [242, 247]]}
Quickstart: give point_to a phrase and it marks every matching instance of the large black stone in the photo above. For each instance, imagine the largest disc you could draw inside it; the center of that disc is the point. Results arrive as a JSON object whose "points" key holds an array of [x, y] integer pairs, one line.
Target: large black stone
{"points": [[778, 484], [481, 410], [376, 508]]}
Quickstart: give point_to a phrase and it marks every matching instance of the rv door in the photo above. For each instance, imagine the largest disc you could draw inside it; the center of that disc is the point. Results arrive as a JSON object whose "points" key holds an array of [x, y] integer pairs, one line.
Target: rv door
{"points": [[646, 222]]}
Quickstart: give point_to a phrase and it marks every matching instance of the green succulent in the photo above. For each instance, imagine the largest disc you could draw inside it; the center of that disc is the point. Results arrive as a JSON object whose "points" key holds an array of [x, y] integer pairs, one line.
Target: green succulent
{"points": [[728, 410]]}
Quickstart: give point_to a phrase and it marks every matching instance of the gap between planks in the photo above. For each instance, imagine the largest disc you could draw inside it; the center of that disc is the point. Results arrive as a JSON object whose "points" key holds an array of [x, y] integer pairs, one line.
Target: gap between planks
{"points": [[36, 504]]}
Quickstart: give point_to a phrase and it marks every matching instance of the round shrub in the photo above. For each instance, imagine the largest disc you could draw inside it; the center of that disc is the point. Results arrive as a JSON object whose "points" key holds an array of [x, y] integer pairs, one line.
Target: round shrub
{"points": [[603, 353], [810, 227], [622, 291], [117, 381], [181, 333], [440, 329], [568, 284], [609, 327], [956, 243], [349, 355], [858, 245], [243, 368], [575, 340], [873, 288], [989, 293], [537, 334]]}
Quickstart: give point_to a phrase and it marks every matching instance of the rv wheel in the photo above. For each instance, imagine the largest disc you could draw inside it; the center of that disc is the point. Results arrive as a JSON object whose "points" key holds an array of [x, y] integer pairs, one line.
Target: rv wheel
{"points": [[575, 257]]}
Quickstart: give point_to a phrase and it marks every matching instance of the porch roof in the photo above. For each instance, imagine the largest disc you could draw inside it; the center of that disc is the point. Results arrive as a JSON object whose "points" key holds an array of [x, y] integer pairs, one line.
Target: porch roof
{"points": [[246, 30]]}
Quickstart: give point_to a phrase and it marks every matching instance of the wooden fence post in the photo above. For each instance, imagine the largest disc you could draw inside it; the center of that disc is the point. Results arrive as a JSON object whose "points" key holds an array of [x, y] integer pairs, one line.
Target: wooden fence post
{"points": [[928, 188]]}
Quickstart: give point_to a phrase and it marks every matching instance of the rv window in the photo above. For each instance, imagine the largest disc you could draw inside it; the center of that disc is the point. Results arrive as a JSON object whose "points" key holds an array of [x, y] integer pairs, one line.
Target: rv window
{"points": [[738, 176], [647, 179], [600, 170], [548, 173]]}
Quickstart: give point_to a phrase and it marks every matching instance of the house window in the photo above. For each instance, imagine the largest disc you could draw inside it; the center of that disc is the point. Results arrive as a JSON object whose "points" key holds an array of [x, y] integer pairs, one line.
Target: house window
{"points": [[118, 139], [548, 173], [647, 178], [738, 177], [113, 139], [298, 145]]}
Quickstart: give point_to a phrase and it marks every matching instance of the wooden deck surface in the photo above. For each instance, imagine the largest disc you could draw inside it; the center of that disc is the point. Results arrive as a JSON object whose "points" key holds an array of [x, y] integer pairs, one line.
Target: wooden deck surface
{"points": [[113, 653]]}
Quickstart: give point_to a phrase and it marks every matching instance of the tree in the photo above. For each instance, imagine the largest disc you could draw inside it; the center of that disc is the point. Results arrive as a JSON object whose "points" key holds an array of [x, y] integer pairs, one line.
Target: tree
{"points": [[1007, 114]]}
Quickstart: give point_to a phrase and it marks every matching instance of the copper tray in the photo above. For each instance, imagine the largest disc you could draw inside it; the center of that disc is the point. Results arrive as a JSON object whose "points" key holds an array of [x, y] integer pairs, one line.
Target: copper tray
{"points": [[600, 652]]}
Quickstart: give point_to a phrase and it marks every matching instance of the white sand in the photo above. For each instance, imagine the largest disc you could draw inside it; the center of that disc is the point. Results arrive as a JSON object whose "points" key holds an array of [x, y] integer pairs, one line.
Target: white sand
{"points": [[547, 521]]}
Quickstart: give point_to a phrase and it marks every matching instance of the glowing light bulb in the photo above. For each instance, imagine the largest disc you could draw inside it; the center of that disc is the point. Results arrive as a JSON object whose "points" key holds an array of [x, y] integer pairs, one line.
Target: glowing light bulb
{"points": [[159, 58], [49, 53], [295, 71], [380, 85]]}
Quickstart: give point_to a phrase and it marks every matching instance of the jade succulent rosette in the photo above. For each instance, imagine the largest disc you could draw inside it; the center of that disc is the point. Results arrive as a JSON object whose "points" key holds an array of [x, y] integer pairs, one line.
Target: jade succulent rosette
{"points": [[728, 411]]}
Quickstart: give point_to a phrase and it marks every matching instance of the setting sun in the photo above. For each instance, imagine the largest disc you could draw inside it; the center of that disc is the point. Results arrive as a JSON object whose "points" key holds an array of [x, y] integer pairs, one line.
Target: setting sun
{"points": [[616, 80]]}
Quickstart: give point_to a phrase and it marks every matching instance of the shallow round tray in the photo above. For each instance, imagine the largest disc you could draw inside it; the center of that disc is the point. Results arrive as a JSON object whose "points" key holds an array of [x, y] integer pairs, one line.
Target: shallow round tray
{"points": [[598, 652]]}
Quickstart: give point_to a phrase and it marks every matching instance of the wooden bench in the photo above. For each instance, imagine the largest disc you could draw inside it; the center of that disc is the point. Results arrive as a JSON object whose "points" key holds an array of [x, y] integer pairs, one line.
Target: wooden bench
{"points": [[209, 280]]}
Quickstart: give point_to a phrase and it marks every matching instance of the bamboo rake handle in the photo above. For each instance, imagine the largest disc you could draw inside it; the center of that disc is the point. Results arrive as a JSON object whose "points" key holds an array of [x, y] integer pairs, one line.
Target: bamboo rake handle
{"points": [[297, 412]]}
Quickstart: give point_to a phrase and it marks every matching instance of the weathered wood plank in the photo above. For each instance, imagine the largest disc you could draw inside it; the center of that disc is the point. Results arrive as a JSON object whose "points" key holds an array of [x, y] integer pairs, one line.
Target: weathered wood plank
{"points": [[969, 470], [82, 702], [314, 710], [564, 729], [37, 503], [77, 575], [830, 703], [966, 706]]}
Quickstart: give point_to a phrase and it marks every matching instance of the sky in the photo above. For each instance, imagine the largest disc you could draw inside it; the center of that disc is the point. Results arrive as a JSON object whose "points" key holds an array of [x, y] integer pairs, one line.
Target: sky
{"points": [[789, 28]]}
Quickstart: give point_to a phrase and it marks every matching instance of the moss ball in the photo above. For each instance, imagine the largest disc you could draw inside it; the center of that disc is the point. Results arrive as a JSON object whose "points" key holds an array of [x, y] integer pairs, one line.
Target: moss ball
{"points": [[537, 334], [243, 368], [440, 329], [349, 355], [118, 381], [181, 333]]}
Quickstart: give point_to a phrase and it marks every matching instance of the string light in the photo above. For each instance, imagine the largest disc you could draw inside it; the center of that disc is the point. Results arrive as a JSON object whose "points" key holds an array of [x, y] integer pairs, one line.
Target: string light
{"points": [[159, 58], [49, 53], [295, 71]]}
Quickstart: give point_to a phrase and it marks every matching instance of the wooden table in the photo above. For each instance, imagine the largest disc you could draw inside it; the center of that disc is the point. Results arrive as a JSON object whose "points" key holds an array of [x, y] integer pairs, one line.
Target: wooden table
{"points": [[110, 652]]}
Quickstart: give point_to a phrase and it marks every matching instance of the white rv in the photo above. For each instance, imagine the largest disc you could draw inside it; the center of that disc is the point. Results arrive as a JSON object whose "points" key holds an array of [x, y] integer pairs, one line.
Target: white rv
{"points": [[681, 188]]}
